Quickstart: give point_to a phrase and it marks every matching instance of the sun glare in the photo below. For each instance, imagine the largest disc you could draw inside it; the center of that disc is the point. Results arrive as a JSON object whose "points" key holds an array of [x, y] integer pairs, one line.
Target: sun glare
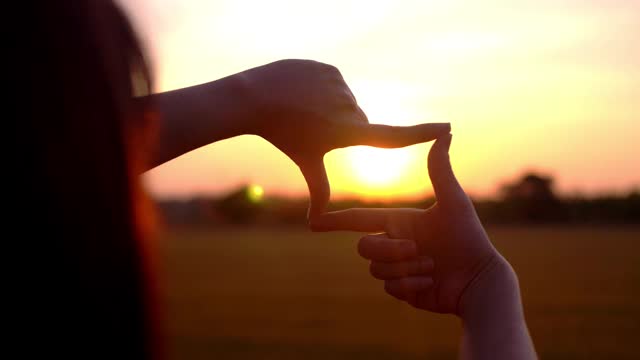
{"points": [[379, 167], [382, 173]]}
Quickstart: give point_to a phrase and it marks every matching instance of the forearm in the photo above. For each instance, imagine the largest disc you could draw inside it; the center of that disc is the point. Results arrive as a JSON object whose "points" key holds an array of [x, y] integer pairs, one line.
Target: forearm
{"points": [[199, 115], [493, 320]]}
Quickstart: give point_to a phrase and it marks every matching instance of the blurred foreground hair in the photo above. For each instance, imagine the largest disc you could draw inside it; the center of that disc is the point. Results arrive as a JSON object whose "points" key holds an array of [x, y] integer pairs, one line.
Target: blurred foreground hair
{"points": [[81, 138]]}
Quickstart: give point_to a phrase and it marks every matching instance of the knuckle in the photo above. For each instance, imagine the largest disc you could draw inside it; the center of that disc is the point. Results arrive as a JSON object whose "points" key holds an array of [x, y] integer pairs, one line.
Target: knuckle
{"points": [[331, 68]]}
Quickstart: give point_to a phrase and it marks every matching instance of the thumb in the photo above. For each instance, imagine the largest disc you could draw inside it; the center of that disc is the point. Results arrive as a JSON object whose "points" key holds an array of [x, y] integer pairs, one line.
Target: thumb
{"points": [[447, 190], [319, 191]]}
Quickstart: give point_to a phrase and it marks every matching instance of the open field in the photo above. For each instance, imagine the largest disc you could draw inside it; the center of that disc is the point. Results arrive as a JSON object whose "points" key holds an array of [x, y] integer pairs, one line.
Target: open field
{"points": [[290, 294]]}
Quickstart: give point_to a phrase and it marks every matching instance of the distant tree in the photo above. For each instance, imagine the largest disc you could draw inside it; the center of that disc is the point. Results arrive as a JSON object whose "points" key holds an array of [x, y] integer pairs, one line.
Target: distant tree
{"points": [[530, 187], [606, 209], [632, 207], [532, 199], [529, 199]]}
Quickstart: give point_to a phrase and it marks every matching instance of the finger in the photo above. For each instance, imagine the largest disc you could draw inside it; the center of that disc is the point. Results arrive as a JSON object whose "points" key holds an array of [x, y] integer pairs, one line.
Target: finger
{"points": [[362, 220], [315, 175], [407, 288], [445, 185], [386, 136], [400, 269], [380, 247]]}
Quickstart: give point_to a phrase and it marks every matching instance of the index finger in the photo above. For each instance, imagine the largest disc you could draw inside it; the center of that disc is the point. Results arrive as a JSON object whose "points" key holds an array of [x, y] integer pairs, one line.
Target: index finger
{"points": [[387, 136]]}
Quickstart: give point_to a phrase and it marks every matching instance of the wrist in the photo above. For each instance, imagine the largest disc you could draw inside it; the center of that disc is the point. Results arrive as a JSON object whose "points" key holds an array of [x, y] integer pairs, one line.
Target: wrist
{"points": [[492, 317], [229, 100], [248, 89], [493, 294], [201, 114]]}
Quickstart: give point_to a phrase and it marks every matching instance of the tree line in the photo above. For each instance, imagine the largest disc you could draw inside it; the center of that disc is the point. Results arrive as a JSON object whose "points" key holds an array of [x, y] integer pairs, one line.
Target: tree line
{"points": [[530, 199]]}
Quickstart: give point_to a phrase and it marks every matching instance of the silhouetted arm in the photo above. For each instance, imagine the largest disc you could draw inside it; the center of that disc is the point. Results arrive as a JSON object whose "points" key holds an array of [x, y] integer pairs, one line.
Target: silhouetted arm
{"points": [[302, 107], [200, 115]]}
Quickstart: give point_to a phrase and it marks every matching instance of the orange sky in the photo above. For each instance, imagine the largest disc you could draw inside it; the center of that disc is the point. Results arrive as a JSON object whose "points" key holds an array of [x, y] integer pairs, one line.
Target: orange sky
{"points": [[536, 84]]}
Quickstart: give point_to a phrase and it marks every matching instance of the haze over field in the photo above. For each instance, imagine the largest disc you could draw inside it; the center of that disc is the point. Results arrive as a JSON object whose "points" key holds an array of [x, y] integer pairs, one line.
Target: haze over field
{"points": [[316, 299]]}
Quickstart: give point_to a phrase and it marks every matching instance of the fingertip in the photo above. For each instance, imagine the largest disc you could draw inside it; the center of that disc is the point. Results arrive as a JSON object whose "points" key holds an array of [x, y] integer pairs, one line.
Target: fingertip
{"points": [[444, 142], [367, 246], [313, 221], [318, 201], [438, 128], [319, 222], [432, 131], [315, 225], [439, 165]]}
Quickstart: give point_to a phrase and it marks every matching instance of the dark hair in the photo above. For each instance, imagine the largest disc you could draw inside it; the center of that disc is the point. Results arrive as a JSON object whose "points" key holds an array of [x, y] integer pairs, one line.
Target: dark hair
{"points": [[81, 136]]}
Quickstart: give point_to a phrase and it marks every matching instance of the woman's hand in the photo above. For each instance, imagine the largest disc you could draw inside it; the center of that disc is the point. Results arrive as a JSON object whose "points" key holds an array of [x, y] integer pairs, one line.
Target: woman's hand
{"points": [[449, 232], [306, 109], [441, 260]]}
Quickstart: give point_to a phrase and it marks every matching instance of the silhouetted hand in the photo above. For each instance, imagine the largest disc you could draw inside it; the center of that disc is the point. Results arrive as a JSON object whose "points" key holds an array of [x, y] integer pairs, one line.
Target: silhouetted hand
{"points": [[306, 109], [449, 232]]}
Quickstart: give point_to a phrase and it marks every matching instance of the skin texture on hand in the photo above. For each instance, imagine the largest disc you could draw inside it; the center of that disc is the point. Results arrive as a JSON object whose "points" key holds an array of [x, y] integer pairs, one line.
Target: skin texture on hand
{"points": [[441, 260]]}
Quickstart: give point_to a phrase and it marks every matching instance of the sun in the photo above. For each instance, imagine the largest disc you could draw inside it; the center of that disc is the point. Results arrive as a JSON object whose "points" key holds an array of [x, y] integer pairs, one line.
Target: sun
{"points": [[379, 167], [382, 174], [382, 170]]}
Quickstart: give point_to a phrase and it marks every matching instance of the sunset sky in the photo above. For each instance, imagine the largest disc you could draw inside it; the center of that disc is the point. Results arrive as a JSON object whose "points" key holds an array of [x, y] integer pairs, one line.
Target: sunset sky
{"points": [[545, 85]]}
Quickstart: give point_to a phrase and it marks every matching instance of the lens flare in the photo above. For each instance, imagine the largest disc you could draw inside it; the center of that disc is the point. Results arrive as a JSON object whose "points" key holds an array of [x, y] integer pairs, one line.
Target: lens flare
{"points": [[255, 193]]}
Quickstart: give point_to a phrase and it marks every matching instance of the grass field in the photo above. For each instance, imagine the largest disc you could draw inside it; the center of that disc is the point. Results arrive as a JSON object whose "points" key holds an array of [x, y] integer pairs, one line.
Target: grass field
{"points": [[290, 294]]}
